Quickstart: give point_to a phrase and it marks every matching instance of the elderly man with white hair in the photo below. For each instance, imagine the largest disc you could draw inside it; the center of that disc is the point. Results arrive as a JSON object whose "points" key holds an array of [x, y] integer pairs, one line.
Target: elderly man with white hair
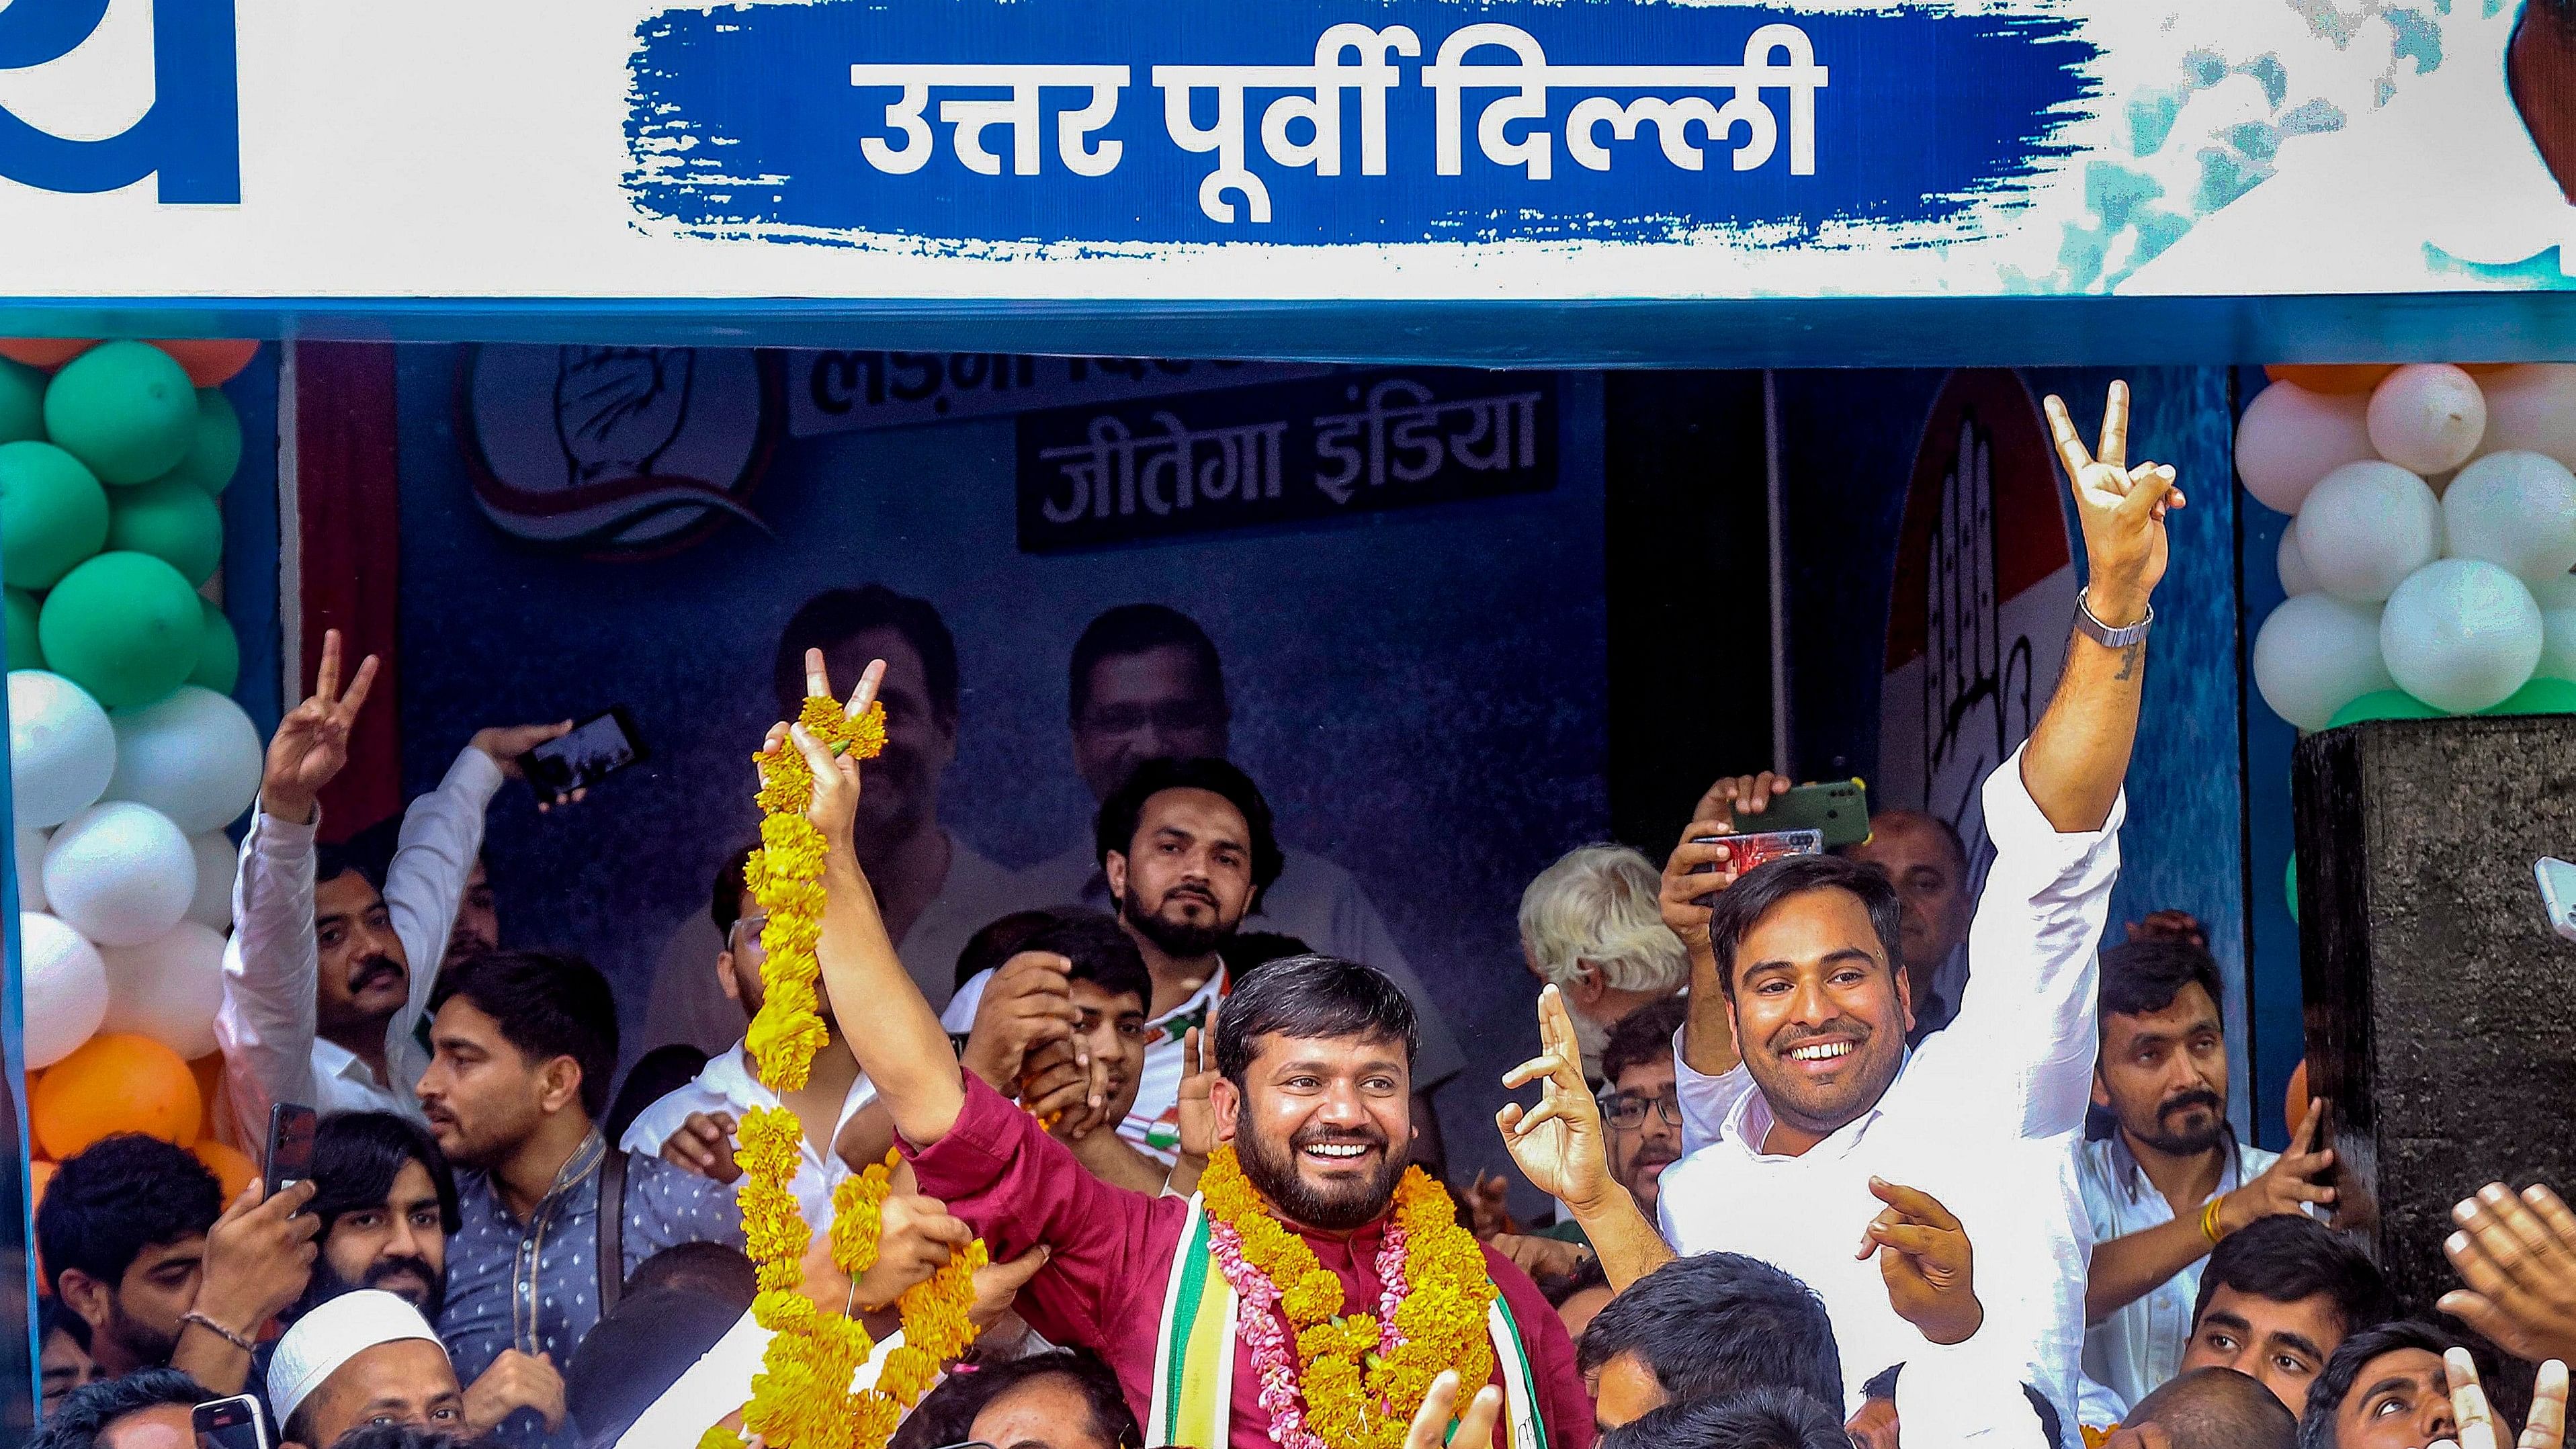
{"points": [[362, 1358], [1592, 926]]}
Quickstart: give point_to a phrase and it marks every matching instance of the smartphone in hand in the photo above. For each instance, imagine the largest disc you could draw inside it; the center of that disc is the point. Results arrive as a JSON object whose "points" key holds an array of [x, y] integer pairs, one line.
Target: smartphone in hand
{"points": [[596, 748], [234, 1423], [290, 1146]]}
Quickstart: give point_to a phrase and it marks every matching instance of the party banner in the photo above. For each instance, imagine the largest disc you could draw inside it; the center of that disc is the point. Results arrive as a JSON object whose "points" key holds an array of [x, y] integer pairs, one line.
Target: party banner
{"points": [[1144, 152]]}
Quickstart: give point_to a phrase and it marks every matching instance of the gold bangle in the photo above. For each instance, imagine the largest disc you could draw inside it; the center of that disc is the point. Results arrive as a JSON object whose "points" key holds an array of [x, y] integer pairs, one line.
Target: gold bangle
{"points": [[219, 1331], [2209, 1222]]}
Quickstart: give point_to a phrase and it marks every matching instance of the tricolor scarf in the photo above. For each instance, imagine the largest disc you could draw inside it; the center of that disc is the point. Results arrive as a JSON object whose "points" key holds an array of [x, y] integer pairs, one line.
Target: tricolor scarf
{"points": [[1194, 1355]]}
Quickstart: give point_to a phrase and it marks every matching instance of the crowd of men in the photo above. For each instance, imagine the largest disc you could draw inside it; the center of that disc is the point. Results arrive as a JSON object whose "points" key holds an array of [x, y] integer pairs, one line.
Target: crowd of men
{"points": [[1842, 1150]]}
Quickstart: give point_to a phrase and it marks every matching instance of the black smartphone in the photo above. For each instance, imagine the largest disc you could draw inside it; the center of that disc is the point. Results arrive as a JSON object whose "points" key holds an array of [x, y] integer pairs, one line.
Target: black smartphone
{"points": [[597, 748], [234, 1423], [290, 1145]]}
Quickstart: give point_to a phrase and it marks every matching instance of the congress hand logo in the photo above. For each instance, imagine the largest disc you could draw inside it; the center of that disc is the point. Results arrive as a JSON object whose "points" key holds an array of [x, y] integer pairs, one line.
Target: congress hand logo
{"points": [[190, 137]]}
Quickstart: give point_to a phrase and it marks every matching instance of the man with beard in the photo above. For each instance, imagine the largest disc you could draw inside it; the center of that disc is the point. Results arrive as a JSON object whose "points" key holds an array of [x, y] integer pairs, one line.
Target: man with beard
{"points": [[2171, 1180], [386, 1203], [321, 997], [523, 1045], [1642, 1110], [1798, 1091], [1312, 1108], [938, 890], [137, 1241]]}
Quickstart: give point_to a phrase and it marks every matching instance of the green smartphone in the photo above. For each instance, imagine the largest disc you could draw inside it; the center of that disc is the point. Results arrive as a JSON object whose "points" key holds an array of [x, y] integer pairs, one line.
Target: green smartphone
{"points": [[1837, 808]]}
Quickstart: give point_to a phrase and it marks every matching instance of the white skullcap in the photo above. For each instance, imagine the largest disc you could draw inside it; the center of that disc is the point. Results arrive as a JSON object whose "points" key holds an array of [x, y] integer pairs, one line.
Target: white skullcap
{"points": [[331, 1335]]}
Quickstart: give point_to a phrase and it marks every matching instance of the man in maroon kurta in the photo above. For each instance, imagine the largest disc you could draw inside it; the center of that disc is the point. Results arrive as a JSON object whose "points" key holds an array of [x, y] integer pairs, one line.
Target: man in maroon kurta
{"points": [[1110, 1256]]}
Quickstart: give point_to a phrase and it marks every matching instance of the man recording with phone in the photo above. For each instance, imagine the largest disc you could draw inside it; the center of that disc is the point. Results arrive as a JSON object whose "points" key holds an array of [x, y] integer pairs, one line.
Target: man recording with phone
{"points": [[329, 971]]}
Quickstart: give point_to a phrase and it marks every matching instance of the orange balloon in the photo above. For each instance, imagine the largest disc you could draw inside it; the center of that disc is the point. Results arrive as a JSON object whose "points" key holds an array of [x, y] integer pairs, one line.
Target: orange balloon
{"points": [[2340, 377], [40, 1175], [116, 1082], [210, 361], [208, 1070], [2294, 1103], [231, 1167], [45, 352]]}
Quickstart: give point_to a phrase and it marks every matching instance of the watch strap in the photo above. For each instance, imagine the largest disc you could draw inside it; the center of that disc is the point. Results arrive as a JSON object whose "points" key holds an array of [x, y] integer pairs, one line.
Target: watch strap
{"points": [[2104, 634]]}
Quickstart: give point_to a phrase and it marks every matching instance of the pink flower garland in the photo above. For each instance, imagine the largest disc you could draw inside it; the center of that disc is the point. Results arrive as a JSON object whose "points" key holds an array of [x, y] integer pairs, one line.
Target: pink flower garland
{"points": [[1257, 1318]]}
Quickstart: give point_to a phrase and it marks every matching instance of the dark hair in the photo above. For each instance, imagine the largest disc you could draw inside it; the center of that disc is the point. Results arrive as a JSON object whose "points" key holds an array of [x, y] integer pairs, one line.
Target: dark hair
{"points": [[1767, 1418], [1000, 940], [1558, 1289], [2218, 1408], [1642, 1035], [655, 1075], [370, 852], [1720, 1323], [2332, 1384], [2289, 1256], [357, 1155], [948, 1413], [712, 1269], [724, 898], [1137, 629], [2148, 975], [545, 1005], [1115, 827], [1743, 904], [330, 862], [1101, 951], [53, 1315], [87, 1411], [410, 1436], [1312, 996], [635, 1354], [116, 1197], [836, 616], [1245, 952]]}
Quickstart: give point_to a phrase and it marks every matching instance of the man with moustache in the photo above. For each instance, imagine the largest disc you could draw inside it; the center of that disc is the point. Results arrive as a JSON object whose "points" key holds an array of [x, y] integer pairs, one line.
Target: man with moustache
{"points": [[1314, 1096], [321, 995], [2171, 1181], [1642, 1110], [938, 890], [386, 1204], [1799, 1096]]}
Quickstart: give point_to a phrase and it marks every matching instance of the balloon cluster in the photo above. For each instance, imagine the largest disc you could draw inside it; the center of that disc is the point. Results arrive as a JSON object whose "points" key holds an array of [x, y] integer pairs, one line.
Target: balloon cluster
{"points": [[127, 755], [2433, 530]]}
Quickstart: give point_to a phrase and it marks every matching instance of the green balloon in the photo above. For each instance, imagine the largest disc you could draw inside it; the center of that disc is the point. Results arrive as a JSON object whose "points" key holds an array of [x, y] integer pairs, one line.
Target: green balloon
{"points": [[22, 402], [53, 514], [2384, 704], [218, 654], [214, 455], [24, 651], [2290, 884], [173, 520], [125, 409], [124, 626], [2541, 696]]}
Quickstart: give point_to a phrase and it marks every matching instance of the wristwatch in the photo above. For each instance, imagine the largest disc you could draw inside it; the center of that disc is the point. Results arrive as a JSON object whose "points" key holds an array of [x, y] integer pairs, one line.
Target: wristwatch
{"points": [[2103, 634]]}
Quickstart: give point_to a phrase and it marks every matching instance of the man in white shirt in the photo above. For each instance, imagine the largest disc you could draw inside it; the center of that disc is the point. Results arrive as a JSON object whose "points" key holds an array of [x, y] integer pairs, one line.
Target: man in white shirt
{"points": [[2171, 1180], [321, 993], [695, 1126], [937, 891], [1147, 684]]}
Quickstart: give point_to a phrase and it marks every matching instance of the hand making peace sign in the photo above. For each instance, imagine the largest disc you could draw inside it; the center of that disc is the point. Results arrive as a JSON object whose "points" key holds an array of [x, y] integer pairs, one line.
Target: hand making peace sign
{"points": [[836, 776], [312, 742], [1559, 1144], [2122, 509]]}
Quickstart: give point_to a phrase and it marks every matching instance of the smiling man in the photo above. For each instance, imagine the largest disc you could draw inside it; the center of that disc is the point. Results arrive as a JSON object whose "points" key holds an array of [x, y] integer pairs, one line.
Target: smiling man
{"points": [[1796, 1084], [1314, 1095]]}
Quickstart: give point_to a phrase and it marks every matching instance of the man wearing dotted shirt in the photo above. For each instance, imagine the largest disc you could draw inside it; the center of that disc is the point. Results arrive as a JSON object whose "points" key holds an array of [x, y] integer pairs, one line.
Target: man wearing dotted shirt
{"points": [[522, 1046]]}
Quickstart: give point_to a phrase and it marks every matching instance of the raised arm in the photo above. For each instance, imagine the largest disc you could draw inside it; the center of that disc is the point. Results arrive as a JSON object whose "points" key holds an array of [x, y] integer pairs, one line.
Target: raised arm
{"points": [[1559, 1147], [889, 1026]]}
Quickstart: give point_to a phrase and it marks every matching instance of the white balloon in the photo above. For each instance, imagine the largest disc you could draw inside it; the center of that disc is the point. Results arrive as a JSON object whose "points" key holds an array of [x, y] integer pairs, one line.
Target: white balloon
{"points": [[61, 750], [2296, 577], [218, 862], [2532, 410], [65, 988], [30, 848], [2461, 634], [2315, 654], [167, 988], [2557, 645], [2427, 418], [2515, 510], [192, 755], [120, 873], [2367, 526], [2291, 437]]}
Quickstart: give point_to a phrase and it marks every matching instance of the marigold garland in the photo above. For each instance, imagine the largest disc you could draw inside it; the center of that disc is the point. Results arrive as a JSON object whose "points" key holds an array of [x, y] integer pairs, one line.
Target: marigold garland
{"points": [[1361, 1376], [801, 1398]]}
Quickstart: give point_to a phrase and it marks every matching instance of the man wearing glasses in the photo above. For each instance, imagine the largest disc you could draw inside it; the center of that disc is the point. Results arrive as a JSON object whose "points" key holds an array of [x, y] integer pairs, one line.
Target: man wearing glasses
{"points": [[1642, 1106], [694, 1127]]}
